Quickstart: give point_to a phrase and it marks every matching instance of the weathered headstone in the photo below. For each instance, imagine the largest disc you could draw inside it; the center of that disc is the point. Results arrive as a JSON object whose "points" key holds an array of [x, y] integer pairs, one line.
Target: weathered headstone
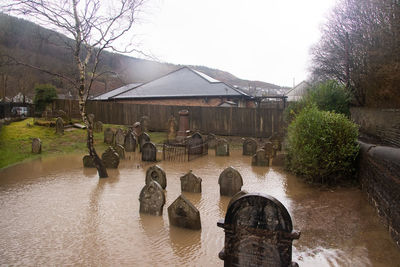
{"points": [[269, 149], [222, 147], [98, 127], [149, 152], [155, 173], [249, 147], [137, 128], [260, 158], [182, 213], [195, 144], [109, 136], [144, 122], [171, 128], [236, 196], [230, 182], [120, 150], [183, 125], [119, 137], [36, 146], [143, 138], [63, 115], [110, 158], [152, 199], [88, 162], [190, 183], [91, 118], [59, 126], [211, 140], [130, 142], [258, 232]]}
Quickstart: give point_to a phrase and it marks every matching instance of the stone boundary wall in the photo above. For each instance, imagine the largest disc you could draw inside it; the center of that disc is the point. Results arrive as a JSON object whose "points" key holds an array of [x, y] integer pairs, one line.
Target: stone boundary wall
{"points": [[379, 175], [383, 124]]}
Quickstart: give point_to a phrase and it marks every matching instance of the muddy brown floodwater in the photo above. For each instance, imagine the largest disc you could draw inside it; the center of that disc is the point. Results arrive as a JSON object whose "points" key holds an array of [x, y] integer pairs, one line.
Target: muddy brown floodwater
{"points": [[54, 212]]}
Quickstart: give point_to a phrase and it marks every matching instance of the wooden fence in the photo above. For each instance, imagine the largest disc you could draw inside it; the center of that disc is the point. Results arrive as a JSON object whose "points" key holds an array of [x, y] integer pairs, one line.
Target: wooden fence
{"points": [[256, 122]]}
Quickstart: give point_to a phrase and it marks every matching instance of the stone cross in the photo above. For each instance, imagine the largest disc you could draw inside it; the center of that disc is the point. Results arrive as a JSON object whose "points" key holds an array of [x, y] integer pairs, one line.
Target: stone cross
{"points": [[156, 173], [249, 147], [59, 126], [182, 213], [190, 183], [109, 136], [152, 199], [119, 137], [130, 142], [260, 158], [171, 128], [98, 127], [230, 182], [222, 147], [258, 232], [110, 158], [149, 152], [36, 146]]}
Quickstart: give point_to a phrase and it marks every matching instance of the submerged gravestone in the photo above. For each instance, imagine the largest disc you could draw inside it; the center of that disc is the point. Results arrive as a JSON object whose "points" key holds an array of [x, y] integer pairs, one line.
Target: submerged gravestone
{"points": [[222, 147], [260, 158], [236, 196], [110, 158], [269, 149], [155, 173], [59, 126], [258, 232], [190, 183], [130, 142], [230, 182], [98, 127], [143, 139], [109, 136], [171, 128], [149, 152], [195, 144], [120, 150], [182, 213], [152, 199], [211, 140], [36, 146], [119, 137], [249, 147], [88, 162]]}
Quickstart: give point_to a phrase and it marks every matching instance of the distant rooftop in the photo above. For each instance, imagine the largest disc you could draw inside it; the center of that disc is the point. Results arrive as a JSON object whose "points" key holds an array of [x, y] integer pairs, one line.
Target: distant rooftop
{"points": [[116, 91]]}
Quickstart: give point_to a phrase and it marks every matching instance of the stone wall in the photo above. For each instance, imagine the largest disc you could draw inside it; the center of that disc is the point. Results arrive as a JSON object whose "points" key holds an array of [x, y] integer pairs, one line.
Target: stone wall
{"points": [[379, 175]]}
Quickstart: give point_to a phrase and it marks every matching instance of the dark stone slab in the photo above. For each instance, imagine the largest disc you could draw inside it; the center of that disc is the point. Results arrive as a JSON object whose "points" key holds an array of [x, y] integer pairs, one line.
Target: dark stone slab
{"points": [[98, 127], [190, 183], [88, 162], [130, 142], [249, 147], [258, 232], [142, 139], [110, 158], [152, 199], [182, 213], [59, 126], [222, 147], [195, 144], [156, 173], [119, 137], [120, 150], [36, 146], [260, 158], [109, 136], [236, 196], [230, 182], [149, 152]]}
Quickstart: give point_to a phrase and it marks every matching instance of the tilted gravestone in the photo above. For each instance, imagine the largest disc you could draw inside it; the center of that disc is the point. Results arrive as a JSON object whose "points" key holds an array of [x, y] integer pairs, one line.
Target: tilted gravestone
{"points": [[119, 137], [230, 182], [110, 158], [36, 146], [195, 144], [222, 147], [152, 199], [59, 126], [260, 158], [190, 183], [269, 149], [130, 142], [144, 122], [149, 152], [109, 136], [155, 173], [211, 140], [258, 232], [88, 162], [249, 147], [143, 139], [63, 115], [236, 196], [120, 150], [98, 127], [182, 213], [172, 124]]}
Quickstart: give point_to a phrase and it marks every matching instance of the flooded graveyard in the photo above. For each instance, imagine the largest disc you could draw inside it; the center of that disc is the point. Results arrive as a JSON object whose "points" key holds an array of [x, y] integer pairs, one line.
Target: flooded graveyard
{"points": [[55, 212]]}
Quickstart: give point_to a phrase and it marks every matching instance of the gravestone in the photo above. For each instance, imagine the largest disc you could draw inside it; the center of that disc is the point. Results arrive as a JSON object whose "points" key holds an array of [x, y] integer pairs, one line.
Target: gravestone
{"points": [[120, 150], [137, 128], [88, 162], [222, 147], [183, 124], [36, 146], [190, 183], [59, 126], [230, 182], [152, 199], [155, 173], [63, 115], [260, 158], [211, 140], [149, 152], [129, 142], [249, 147], [236, 196], [258, 232], [119, 137], [182, 213], [98, 127], [269, 149], [171, 128], [109, 136], [195, 144], [144, 122], [91, 118], [110, 158], [143, 138]]}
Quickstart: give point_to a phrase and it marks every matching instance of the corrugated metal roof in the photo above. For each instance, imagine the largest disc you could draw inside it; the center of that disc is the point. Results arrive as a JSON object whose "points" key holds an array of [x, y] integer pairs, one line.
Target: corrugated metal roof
{"points": [[116, 91]]}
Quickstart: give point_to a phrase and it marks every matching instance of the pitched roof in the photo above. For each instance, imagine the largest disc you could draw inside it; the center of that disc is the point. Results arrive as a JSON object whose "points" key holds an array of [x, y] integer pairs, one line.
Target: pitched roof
{"points": [[184, 82], [116, 91]]}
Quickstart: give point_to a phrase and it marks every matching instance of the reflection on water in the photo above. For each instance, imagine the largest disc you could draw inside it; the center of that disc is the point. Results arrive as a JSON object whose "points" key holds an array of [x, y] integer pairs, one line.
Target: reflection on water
{"points": [[54, 212]]}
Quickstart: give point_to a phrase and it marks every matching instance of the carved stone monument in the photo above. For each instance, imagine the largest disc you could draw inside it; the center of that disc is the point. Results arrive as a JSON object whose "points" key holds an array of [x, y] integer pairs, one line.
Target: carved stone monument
{"points": [[149, 152], [120, 150], [182, 213], [258, 232], [230, 182], [108, 136], [143, 138], [144, 122], [152, 199], [249, 147], [260, 158], [269, 149], [98, 127], [155, 173], [211, 140], [130, 142], [59, 126], [195, 144], [36, 146], [190, 183], [137, 128], [183, 124], [91, 118], [171, 128], [88, 162], [110, 158], [222, 147], [119, 137]]}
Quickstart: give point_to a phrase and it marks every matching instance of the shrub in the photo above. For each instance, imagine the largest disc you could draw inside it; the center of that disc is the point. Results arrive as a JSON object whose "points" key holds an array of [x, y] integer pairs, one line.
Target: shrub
{"points": [[44, 95], [322, 145]]}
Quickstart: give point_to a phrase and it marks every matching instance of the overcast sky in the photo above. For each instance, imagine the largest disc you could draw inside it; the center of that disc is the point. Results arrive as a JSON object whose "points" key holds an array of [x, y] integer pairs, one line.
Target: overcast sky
{"points": [[266, 40]]}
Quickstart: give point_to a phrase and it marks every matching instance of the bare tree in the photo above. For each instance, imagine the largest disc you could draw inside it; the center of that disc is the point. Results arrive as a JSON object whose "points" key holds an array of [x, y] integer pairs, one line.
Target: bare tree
{"points": [[93, 26]]}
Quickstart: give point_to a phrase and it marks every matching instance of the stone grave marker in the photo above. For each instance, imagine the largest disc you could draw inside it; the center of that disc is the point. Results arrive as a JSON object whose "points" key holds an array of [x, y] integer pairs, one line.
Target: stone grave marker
{"points": [[36, 146], [63, 115], [211, 140], [149, 152], [88, 162], [269, 149], [130, 142], [59, 126], [137, 128], [119, 137], [249, 146], [110, 158], [182, 213], [230, 182], [195, 143], [222, 147], [144, 122], [120, 150], [258, 232], [109, 136], [190, 183], [183, 125], [155, 173], [236, 196], [98, 127], [171, 128], [152, 199], [260, 158], [143, 138], [91, 118]]}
